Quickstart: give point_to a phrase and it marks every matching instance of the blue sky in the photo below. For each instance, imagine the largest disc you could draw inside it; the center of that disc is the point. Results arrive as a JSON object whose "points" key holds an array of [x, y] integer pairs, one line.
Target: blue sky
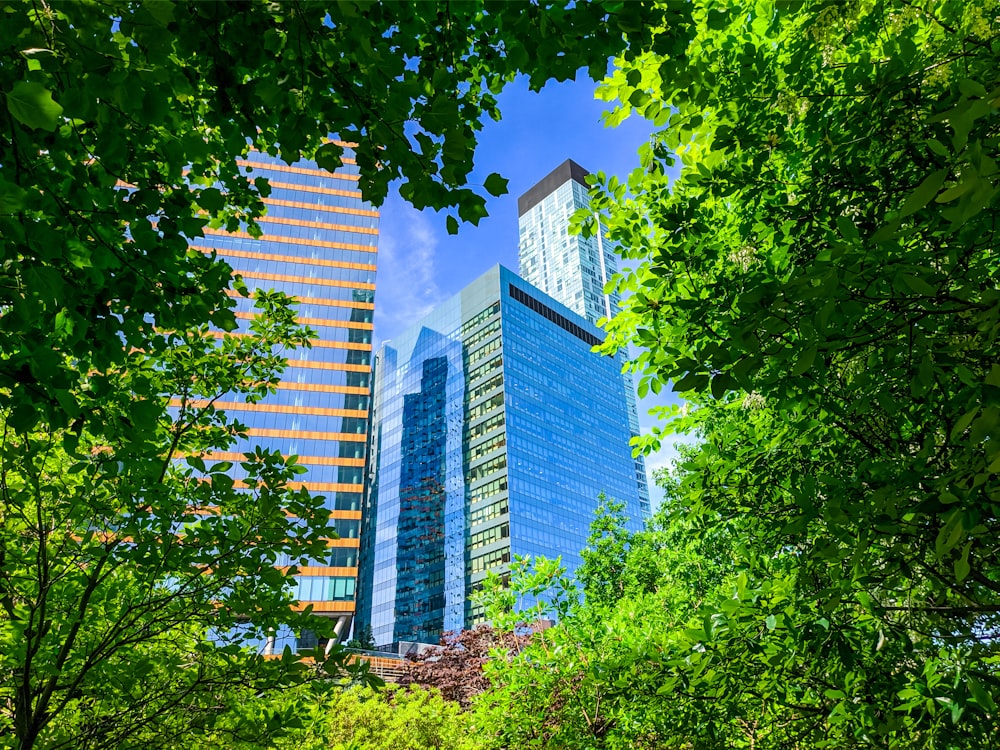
{"points": [[420, 265]]}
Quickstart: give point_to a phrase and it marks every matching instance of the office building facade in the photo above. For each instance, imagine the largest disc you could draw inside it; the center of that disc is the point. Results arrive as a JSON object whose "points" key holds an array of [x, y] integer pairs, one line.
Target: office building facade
{"points": [[319, 245], [573, 269], [495, 427]]}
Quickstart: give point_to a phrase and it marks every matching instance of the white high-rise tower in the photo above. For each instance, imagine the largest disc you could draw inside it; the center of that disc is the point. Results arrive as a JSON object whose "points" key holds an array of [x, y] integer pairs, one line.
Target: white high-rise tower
{"points": [[570, 268]]}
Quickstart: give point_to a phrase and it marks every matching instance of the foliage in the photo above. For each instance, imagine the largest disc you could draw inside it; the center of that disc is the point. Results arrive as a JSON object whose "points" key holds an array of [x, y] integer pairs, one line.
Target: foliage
{"points": [[456, 668], [820, 283], [167, 96], [604, 559], [364, 640], [595, 679], [118, 559], [320, 718]]}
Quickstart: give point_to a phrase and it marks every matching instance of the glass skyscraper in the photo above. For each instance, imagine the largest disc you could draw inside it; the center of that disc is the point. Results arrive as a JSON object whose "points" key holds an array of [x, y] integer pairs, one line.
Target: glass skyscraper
{"points": [[319, 245], [494, 430], [571, 268]]}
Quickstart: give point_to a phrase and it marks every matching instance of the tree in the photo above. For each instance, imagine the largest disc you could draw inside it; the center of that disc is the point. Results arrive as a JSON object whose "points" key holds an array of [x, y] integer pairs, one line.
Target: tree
{"points": [[457, 667], [166, 96], [364, 640], [120, 130], [597, 678], [318, 718], [604, 558], [119, 558], [820, 283]]}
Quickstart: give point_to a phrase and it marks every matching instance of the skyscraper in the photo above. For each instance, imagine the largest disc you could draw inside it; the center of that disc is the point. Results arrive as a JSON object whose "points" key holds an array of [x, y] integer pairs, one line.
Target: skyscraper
{"points": [[319, 245], [494, 429], [571, 268]]}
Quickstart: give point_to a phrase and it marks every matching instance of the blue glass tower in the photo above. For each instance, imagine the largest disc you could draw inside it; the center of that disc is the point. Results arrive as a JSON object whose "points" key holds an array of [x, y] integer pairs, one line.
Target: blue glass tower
{"points": [[494, 430]]}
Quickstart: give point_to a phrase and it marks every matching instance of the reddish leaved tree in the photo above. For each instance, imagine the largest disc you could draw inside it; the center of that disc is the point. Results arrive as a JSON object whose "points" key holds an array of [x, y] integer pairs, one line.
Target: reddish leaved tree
{"points": [[456, 666]]}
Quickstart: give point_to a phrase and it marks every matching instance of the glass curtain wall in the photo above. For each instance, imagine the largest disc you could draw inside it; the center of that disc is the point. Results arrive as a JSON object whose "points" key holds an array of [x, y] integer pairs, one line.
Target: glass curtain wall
{"points": [[494, 429]]}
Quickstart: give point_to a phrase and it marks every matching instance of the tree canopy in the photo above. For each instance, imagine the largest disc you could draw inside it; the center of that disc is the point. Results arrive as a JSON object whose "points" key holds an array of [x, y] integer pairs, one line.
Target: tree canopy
{"points": [[602, 676], [820, 286]]}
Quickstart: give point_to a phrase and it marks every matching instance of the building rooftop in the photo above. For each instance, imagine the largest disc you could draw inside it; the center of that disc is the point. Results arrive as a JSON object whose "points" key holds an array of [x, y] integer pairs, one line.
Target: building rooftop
{"points": [[568, 170]]}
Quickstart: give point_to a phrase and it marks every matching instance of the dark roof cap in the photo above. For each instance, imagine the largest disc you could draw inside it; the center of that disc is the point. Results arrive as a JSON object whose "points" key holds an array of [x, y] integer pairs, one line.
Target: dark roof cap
{"points": [[568, 170]]}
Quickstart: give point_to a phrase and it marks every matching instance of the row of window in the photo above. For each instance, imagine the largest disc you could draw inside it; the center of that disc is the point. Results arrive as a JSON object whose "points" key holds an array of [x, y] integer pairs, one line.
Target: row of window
{"points": [[298, 422], [294, 445], [271, 269], [281, 233], [314, 399], [480, 317], [332, 501], [482, 334], [491, 559], [488, 512], [343, 195], [484, 470], [299, 372], [331, 356], [338, 557], [495, 421], [262, 158], [483, 388], [489, 536], [316, 307], [324, 589], [236, 247], [486, 406], [416, 585], [313, 475], [303, 174], [488, 490], [347, 528], [485, 369], [344, 501], [338, 334], [490, 347], [497, 441], [306, 287], [475, 613], [322, 216], [340, 527]]}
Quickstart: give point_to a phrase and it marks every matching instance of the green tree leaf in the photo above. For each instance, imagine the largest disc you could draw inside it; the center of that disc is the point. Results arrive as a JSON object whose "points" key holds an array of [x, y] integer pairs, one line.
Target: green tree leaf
{"points": [[496, 185], [32, 105], [924, 193]]}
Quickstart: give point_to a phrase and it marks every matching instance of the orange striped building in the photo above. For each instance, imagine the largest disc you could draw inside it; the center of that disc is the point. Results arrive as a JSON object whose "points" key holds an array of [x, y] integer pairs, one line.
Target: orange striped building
{"points": [[319, 245]]}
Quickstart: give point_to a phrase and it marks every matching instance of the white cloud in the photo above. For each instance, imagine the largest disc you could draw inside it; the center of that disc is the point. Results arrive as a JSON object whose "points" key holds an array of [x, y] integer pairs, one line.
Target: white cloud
{"points": [[406, 288]]}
